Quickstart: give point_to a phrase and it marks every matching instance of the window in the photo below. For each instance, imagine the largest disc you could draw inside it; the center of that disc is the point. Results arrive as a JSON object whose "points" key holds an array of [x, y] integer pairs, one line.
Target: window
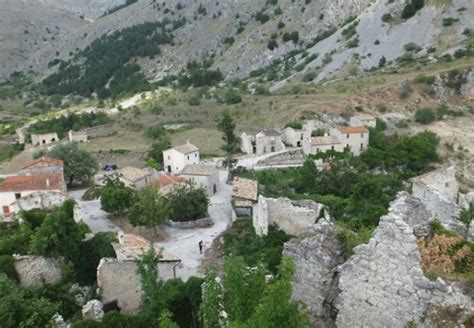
{"points": [[332, 147], [195, 155], [361, 135], [361, 146], [188, 157], [348, 136]]}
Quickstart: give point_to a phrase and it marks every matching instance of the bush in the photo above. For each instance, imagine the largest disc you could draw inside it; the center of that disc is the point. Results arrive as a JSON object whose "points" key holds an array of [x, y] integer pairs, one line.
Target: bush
{"points": [[387, 18], [409, 11], [7, 267], [425, 116], [232, 97], [295, 125], [291, 36], [412, 47], [426, 79], [449, 21], [272, 44], [405, 90]]}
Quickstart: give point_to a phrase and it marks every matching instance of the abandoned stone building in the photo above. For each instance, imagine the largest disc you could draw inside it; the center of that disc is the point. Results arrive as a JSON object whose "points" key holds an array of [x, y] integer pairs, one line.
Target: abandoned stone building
{"points": [[77, 136], [363, 120], [204, 176], [244, 196], [176, 158], [38, 179], [294, 137], [265, 142], [122, 271], [134, 177], [44, 138]]}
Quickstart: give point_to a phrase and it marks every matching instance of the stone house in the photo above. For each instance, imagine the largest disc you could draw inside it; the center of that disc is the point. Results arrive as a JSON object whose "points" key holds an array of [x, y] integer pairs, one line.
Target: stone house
{"points": [[77, 136], [356, 138], [134, 177], [268, 141], [204, 176], [294, 137], [247, 144], [117, 278], [244, 196], [176, 158], [315, 145], [43, 175], [363, 120], [44, 138]]}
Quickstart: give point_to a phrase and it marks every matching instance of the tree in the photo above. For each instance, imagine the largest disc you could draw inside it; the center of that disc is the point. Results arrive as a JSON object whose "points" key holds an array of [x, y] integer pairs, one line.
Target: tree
{"points": [[155, 152], [408, 11], [115, 197], [212, 307], [466, 216], [148, 271], [226, 125], [58, 235], [309, 172], [150, 210], [188, 203], [79, 165]]}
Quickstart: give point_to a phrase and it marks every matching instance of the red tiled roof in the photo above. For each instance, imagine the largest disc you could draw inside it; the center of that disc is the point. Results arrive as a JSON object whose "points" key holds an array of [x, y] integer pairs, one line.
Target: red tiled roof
{"points": [[44, 161], [40, 181], [166, 180], [352, 129]]}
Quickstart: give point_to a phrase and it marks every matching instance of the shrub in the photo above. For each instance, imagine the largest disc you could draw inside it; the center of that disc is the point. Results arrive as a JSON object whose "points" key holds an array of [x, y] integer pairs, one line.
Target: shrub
{"points": [[281, 25], [408, 11], [412, 47], [387, 18], [261, 17], [272, 44], [228, 40], [232, 97], [426, 79], [295, 125], [291, 36], [425, 116], [405, 90], [448, 21]]}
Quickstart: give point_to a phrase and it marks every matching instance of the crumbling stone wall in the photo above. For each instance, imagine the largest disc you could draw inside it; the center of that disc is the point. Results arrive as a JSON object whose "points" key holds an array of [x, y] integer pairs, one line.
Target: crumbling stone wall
{"points": [[290, 157], [383, 285], [316, 255], [119, 281], [293, 217], [39, 199], [34, 270]]}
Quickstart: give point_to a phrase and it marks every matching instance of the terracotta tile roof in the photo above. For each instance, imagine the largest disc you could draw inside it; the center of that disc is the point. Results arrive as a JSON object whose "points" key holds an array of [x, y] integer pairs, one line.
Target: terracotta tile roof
{"points": [[198, 169], [133, 174], [39, 181], [245, 189], [166, 180], [44, 161], [326, 140], [186, 148], [353, 129]]}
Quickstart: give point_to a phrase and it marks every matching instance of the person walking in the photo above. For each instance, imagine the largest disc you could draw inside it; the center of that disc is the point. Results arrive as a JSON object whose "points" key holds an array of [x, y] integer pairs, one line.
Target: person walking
{"points": [[200, 247]]}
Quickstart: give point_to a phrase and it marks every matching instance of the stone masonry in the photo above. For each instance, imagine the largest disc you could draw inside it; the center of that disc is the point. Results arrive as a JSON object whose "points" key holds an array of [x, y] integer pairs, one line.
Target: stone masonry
{"points": [[34, 270], [316, 255], [382, 285], [293, 217]]}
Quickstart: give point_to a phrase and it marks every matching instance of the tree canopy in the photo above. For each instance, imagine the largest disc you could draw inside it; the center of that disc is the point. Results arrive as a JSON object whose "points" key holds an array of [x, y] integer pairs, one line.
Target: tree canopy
{"points": [[150, 210]]}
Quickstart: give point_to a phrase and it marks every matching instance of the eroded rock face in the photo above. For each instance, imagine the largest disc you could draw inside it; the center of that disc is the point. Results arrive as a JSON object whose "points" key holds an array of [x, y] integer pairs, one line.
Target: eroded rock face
{"points": [[467, 89], [94, 310], [383, 284], [316, 255]]}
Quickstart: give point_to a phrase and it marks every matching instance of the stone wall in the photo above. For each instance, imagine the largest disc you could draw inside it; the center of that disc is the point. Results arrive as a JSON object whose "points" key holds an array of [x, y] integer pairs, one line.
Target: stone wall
{"points": [[34, 270], [293, 217], [39, 199], [316, 255], [119, 281], [383, 285], [291, 157], [443, 180]]}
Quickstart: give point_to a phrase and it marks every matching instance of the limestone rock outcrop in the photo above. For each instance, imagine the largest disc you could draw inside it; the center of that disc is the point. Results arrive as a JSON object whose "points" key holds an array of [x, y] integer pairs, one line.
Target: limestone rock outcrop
{"points": [[34, 270]]}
